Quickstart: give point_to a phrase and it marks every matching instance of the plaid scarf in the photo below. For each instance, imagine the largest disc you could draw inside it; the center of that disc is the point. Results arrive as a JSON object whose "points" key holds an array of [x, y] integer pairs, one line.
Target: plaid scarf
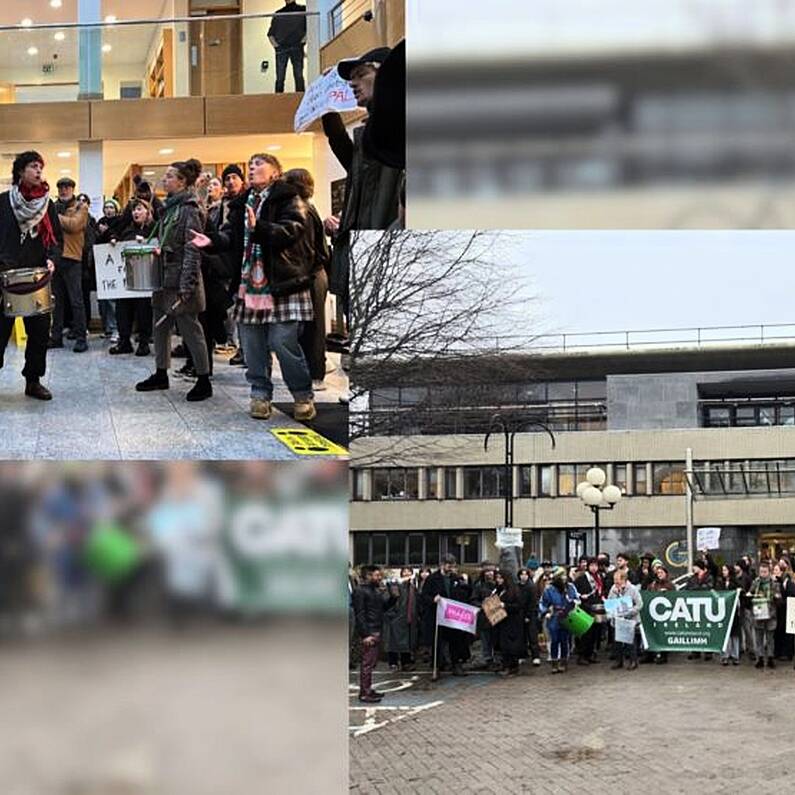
{"points": [[29, 206], [255, 292]]}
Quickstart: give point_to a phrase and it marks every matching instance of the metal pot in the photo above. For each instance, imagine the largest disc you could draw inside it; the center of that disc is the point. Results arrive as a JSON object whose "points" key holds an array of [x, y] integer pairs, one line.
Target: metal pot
{"points": [[142, 267], [26, 292]]}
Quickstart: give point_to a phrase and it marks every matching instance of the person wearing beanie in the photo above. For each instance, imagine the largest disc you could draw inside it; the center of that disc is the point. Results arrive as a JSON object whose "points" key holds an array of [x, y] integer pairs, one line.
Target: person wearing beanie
{"points": [[181, 297], [532, 564], [558, 598], [30, 237], [110, 221]]}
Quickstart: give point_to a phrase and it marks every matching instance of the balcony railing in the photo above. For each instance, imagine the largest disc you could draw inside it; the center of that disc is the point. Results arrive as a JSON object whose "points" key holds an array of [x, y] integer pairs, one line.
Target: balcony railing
{"points": [[212, 55]]}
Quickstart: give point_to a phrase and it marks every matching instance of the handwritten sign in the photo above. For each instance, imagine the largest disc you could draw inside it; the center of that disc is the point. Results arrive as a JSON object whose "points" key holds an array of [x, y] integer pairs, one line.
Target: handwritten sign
{"points": [[508, 537], [708, 538], [329, 92], [111, 278]]}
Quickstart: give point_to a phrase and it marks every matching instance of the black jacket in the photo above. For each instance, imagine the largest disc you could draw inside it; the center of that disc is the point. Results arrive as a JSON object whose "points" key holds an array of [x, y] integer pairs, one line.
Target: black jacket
{"points": [[31, 253], [369, 605], [283, 230]]}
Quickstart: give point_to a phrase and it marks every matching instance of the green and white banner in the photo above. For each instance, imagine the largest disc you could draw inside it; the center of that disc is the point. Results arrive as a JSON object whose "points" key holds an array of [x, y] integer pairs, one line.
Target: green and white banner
{"points": [[687, 620]]}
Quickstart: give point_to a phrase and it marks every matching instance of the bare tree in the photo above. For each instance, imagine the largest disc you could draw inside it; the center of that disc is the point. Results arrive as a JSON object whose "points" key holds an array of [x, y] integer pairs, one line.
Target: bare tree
{"points": [[442, 314]]}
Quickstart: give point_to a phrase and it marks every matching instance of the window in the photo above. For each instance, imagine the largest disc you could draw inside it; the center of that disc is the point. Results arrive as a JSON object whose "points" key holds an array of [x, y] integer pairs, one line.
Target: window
{"points": [[395, 484], [450, 481], [465, 546], [431, 483], [591, 390], [416, 549], [717, 417], [483, 482], [561, 390], [397, 555], [378, 553], [758, 476], [745, 416], [358, 484], [786, 415], [525, 486], [640, 479], [567, 485], [361, 548], [668, 478], [620, 477], [545, 481], [767, 415]]}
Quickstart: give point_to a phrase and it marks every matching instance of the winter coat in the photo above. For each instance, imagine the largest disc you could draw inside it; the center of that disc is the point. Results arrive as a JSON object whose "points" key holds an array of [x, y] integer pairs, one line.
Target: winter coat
{"points": [[694, 583], [509, 637], [181, 260], [590, 598], [529, 594], [435, 585], [369, 604], [665, 585], [401, 620], [74, 220], [558, 603], [633, 614], [481, 588], [771, 590], [730, 584], [31, 253]]}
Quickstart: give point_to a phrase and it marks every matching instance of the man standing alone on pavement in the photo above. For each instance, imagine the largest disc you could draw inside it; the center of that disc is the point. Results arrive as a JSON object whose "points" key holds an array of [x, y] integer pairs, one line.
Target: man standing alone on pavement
{"points": [[287, 34], [67, 283], [369, 604]]}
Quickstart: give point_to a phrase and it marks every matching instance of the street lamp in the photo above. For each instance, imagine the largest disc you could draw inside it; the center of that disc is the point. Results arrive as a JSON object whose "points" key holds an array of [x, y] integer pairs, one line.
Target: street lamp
{"points": [[598, 497]]}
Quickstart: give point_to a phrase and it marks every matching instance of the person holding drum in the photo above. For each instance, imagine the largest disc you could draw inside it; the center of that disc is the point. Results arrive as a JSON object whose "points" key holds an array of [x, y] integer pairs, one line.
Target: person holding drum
{"points": [[181, 297], [31, 242], [137, 309]]}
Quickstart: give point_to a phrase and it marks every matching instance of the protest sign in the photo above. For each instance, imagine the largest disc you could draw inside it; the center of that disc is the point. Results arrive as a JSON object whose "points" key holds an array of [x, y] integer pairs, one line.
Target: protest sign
{"points": [[790, 626], [625, 630], [493, 609], [328, 93], [687, 620], [618, 605], [508, 537], [111, 277], [456, 615], [708, 538]]}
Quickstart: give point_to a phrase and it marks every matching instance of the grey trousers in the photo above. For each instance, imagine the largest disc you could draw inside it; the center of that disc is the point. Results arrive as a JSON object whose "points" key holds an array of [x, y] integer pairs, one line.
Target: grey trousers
{"points": [[192, 335]]}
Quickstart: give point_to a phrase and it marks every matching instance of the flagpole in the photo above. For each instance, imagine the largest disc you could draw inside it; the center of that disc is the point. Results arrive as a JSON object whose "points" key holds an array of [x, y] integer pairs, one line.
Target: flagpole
{"points": [[435, 675]]}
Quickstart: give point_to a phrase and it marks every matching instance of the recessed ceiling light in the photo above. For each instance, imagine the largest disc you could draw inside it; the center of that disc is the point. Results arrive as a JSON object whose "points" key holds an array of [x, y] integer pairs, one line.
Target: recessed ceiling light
{"points": [[26, 22], [149, 173], [166, 152], [56, 3], [274, 148], [64, 154], [33, 50], [106, 48], [110, 19], [59, 36], [66, 171]]}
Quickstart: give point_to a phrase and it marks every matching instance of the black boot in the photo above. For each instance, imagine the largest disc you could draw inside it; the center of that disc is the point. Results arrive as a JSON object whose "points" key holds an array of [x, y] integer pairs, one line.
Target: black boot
{"points": [[122, 346], [35, 390], [760, 662], [202, 389], [142, 349], [771, 663], [158, 380]]}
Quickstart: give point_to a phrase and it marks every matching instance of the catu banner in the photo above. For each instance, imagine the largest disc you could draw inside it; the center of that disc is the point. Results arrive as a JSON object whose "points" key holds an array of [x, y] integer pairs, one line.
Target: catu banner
{"points": [[687, 620]]}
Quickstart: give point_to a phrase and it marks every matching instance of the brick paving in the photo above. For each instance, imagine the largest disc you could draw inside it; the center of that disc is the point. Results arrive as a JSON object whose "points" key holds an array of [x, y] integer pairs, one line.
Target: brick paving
{"points": [[686, 727]]}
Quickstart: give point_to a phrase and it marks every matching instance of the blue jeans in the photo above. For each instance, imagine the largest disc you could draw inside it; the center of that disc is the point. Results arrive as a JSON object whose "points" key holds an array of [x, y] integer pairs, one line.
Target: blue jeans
{"points": [[259, 342], [294, 55]]}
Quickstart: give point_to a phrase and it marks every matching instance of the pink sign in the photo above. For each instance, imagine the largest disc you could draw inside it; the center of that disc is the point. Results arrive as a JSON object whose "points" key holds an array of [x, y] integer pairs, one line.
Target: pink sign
{"points": [[456, 615]]}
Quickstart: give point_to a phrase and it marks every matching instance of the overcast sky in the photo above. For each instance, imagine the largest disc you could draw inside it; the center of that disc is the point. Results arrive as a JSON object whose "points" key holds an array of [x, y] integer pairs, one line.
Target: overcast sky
{"points": [[472, 29], [605, 281]]}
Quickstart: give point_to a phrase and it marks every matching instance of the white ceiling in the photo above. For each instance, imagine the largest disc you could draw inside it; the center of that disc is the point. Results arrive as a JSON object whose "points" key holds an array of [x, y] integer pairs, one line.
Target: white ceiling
{"points": [[12, 12]]}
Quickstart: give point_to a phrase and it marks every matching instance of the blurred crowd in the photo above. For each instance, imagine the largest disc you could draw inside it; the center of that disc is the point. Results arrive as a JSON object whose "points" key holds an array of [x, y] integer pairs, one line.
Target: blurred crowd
{"points": [[182, 540]]}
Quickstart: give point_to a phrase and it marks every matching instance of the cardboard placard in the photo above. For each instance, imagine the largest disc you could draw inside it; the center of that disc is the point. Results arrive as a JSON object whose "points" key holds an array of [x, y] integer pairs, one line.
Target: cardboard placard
{"points": [[493, 609], [329, 92]]}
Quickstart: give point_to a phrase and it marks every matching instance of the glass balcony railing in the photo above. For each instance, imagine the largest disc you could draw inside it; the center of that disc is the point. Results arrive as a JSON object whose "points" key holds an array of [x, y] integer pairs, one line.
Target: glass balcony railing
{"points": [[213, 55]]}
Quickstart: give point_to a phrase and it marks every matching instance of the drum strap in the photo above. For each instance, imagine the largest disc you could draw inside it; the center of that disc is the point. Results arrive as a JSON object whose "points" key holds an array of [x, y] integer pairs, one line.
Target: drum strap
{"points": [[28, 288]]}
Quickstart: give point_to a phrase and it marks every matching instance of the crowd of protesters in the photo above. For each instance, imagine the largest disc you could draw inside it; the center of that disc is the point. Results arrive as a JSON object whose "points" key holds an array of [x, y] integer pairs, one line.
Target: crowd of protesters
{"points": [[398, 616]]}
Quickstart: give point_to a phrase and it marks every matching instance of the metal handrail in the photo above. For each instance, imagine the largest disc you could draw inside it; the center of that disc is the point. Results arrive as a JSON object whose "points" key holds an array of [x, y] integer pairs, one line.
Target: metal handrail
{"points": [[337, 15], [152, 21]]}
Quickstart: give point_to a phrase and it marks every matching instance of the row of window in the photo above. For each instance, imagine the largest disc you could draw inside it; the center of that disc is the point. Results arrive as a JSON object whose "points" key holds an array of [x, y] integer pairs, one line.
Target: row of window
{"points": [[748, 415], [561, 480], [415, 549]]}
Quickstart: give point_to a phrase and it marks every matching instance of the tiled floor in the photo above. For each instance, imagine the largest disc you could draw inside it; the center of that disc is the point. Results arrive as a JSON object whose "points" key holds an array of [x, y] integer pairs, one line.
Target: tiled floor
{"points": [[97, 414]]}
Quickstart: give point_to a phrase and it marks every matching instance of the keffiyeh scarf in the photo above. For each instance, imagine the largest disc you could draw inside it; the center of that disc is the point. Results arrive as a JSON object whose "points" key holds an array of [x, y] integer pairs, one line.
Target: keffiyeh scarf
{"points": [[29, 206]]}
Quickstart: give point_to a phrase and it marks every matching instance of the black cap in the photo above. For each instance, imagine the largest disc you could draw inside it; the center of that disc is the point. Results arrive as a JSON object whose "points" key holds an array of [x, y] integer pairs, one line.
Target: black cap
{"points": [[232, 168], [65, 182], [378, 55]]}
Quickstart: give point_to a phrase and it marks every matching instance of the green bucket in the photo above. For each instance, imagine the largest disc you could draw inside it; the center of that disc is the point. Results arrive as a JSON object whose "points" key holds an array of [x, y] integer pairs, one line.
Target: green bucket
{"points": [[111, 553], [578, 622]]}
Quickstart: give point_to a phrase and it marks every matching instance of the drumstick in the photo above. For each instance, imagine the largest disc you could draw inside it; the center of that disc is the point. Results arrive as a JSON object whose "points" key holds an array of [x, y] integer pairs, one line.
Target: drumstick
{"points": [[165, 317]]}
